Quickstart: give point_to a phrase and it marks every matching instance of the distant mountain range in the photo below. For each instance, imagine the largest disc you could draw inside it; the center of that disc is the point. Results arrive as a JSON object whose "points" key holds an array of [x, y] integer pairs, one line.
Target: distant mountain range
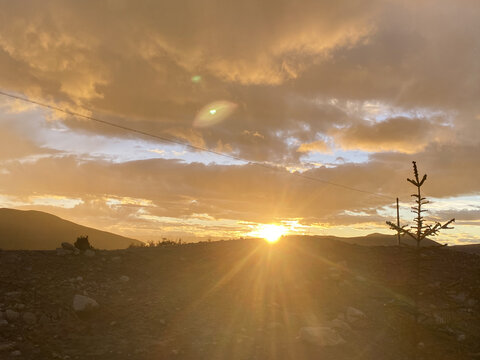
{"points": [[37, 230], [375, 239]]}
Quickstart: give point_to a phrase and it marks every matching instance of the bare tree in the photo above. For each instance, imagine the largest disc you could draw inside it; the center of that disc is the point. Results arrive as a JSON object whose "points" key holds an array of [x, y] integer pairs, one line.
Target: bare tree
{"points": [[419, 231]]}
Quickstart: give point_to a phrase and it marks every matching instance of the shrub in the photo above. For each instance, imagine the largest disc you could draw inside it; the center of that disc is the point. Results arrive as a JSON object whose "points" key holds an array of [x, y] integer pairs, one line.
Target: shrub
{"points": [[82, 243]]}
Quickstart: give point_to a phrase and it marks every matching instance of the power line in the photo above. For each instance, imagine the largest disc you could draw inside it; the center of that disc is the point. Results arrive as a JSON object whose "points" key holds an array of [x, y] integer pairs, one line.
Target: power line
{"points": [[190, 146]]}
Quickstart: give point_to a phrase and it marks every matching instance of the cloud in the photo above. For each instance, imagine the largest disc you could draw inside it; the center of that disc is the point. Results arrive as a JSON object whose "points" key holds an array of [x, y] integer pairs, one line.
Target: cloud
{"points": [[399, 80], [316, 146], [134, 192], [15, 146], [399, 134], [145, 75]]}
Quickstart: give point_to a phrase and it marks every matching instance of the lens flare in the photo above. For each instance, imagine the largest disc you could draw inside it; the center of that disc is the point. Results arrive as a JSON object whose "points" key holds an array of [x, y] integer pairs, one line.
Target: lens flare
{"points": [[196, 79], [214, 113]]}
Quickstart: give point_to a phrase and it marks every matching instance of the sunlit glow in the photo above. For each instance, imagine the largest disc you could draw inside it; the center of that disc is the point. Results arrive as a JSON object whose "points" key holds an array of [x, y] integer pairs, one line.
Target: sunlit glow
{"points": [[214, 113], [271, 232]]}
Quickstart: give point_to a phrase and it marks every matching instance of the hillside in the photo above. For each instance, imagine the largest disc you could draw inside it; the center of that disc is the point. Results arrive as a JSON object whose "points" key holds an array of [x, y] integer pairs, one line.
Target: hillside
{"points": [[375, 239], [469, 248], [37, 230], [244, 299]]}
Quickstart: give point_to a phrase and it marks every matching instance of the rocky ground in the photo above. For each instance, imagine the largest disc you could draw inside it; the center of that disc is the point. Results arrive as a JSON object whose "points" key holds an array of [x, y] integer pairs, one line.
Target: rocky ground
{"points": [[242, 299]]}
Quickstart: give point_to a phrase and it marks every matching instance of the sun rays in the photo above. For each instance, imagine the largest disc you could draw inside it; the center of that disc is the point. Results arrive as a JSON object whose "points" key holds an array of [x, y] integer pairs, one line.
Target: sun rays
{"points": [[270, 232]]}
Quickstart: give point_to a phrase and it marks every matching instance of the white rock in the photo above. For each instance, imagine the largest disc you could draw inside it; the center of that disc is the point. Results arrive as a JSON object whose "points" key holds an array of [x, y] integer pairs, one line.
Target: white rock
{"points": [[124, 278], [354, 315], [89, 253], [29, 318], [68, 246], [321, 336], [16, 353], [83, 303], [79, 278], [11, 315]]}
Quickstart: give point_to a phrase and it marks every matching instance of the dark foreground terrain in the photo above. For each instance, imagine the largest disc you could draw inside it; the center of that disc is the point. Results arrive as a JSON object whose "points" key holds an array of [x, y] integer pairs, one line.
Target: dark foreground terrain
{"points": [[243, 299]]}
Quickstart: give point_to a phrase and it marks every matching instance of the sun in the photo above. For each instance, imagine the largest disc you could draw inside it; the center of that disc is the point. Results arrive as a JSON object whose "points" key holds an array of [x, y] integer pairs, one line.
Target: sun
{"points": [[271, 232]]}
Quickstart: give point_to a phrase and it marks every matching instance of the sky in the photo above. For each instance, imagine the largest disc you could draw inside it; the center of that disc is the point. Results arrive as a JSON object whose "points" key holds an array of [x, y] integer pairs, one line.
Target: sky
{"points": [[348, 92]]}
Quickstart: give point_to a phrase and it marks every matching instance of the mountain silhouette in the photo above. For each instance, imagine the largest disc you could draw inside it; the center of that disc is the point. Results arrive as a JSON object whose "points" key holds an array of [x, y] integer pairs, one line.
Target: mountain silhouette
{"points": [[37, 230]]}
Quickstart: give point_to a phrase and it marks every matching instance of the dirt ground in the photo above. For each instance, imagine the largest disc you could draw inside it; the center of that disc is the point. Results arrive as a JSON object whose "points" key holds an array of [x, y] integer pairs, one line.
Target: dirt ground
{"points": [[243, 299]]}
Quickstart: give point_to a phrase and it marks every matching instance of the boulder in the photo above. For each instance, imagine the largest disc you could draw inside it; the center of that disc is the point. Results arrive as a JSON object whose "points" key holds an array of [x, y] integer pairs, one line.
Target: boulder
{"points": [[68, 246], [321, 336], [83, 303], [124, 278]]}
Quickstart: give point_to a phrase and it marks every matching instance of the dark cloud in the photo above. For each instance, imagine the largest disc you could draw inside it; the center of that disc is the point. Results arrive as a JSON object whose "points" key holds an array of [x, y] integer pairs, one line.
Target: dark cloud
{"points": [[464, 217]]}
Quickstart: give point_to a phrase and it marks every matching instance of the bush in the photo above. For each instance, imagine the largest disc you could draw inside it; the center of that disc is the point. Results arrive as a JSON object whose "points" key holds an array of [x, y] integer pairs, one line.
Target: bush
{"points": [[82, 243]]}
